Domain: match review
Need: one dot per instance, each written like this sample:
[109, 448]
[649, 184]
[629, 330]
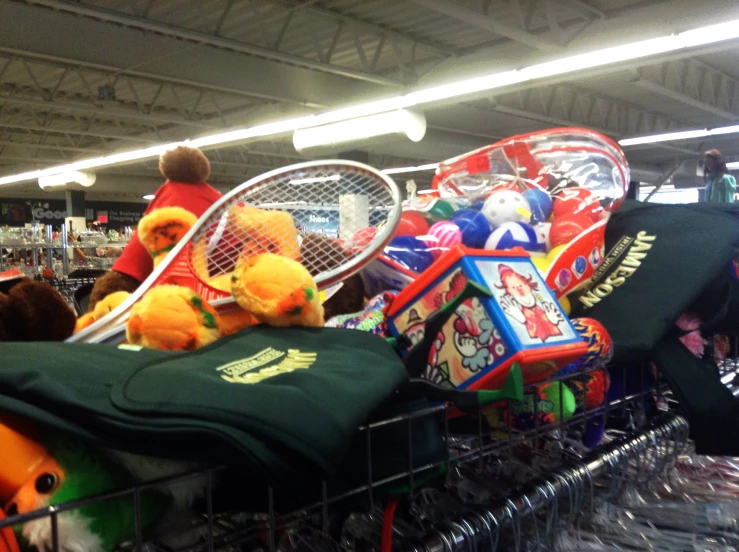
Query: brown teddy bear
[186, 170]
[319, 253]
[34, 311]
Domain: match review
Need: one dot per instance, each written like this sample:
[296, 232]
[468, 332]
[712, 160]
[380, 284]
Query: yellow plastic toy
[172, 318]
[277, 290]
[160, 230]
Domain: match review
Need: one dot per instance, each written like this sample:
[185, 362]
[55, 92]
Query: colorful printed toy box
[522, 321]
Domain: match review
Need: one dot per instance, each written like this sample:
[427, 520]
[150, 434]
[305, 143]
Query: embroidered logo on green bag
[266, 364]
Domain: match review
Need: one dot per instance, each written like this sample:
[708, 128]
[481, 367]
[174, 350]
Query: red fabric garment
[196, 198]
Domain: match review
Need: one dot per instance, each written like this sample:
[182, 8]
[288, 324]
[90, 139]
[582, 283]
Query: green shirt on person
[720, 188]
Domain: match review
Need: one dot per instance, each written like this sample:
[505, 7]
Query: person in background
[720, 186]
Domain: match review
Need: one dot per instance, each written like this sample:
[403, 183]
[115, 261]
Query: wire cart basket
[491, 489]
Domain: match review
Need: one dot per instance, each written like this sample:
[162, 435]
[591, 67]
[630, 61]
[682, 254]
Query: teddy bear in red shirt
[186, 170]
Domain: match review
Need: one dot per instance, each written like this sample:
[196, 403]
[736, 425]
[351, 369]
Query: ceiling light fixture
[149, 197]
[682, 135]
[689, 39]
[68, 177]
[732, 166]
[401, 122]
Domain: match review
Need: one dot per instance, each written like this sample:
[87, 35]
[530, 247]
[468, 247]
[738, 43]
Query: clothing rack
[665, 438]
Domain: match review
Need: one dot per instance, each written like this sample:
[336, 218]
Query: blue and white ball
[514, 234]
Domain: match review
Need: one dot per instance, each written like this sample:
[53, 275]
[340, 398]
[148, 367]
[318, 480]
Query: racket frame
[112, 328]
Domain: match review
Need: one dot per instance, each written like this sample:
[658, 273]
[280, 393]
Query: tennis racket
[358, 206]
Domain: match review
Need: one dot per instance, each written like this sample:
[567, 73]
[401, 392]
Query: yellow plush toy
[107, 305]
[268, 282]
[271, 289]
[160, 230]
[173, 318]
[249, 231]
[277, 290]
[264, 231]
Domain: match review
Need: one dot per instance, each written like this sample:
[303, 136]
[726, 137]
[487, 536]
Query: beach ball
[442, 236]
[474, 226]
[410, 252]
[441, 209]
[577, 200]
[514, 234]
[412, 223]
[540, 203]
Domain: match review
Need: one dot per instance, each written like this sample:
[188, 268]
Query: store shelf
[60, 247]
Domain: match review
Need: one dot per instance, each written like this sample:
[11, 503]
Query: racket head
[355, 196]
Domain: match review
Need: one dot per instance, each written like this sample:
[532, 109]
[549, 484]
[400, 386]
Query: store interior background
[102, 76]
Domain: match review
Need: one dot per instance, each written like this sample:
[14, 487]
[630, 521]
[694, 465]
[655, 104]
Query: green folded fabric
[279, 401]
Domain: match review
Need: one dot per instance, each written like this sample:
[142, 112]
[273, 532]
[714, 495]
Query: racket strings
[310, 215]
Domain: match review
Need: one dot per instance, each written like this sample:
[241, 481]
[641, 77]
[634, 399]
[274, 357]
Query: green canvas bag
[661, 261]
[280, 402]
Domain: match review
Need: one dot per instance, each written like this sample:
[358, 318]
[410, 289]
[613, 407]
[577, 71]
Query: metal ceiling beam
[67, 62]
[566, 104]
[175, 62]
[53, 147]
[487, 23]
[207, 39]
[549, 120]
[693, 83]
[685, 99]
[583, 9]
[521, 114]
[437, 49]
[9, 159]
[105, 111]
[55, 130]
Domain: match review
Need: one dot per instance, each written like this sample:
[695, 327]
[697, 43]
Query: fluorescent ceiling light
[682, 135]
[401, 122]
[331, 178]
[149, 197]
[419, 168]
[667, 137]
[689, 39]
[61, 179]
[733, 166]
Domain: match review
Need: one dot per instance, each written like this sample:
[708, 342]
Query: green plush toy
[67, 470]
